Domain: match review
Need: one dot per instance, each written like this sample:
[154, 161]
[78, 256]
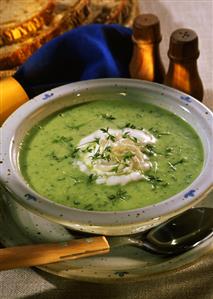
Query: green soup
[49, 152]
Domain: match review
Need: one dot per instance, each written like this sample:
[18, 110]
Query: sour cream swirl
[115, 157]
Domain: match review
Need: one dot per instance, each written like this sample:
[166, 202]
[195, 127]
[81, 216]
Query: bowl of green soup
[108, 156]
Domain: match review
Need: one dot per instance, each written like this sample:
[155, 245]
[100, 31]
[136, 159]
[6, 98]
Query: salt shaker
[146, 63]
[183, 54]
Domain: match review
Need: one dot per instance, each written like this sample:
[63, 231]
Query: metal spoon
[173, 237]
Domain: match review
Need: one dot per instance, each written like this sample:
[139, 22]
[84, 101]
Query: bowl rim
[92, 220]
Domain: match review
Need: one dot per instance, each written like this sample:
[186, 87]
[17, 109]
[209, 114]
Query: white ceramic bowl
[108, 223]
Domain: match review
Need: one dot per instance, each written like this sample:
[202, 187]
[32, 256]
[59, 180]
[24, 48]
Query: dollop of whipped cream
[115, 157]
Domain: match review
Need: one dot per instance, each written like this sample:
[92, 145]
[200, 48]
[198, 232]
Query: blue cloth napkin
[87, 52]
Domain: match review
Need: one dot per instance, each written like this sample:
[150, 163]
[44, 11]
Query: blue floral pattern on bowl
[190, 193]
[30, 197]
[47, 96]
[186, 99]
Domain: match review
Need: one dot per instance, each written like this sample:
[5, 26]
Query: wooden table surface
[195, 282]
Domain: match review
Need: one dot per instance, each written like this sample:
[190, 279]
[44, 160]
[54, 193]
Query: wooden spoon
[40, 254]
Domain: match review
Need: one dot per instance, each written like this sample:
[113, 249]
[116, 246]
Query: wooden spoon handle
[34, 255]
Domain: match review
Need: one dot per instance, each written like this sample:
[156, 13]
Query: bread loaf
[25, 25]
[18, 40]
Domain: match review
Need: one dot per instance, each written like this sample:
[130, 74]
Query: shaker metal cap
[146, 29]
[183, 45]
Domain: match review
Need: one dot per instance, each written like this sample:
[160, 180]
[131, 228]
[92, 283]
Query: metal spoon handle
[34, 255]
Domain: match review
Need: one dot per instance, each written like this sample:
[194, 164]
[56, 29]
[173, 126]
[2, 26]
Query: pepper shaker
[183, 54]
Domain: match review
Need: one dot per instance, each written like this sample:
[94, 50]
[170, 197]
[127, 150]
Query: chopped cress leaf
[104, 130]
[97, 140]
[96, 156]
[62, 139]
[105, 156]
[155, 164]
[180, 161]
[110, 136]
[115, 168]
[76, 127]
[74, 152]
[156, 181]
[122, 194]
[88, 149]
[89, 207]
[149, 150]
[91, 178]
[108, 148]
[119, 195]
[107, 116]
[76, 180]
[157, 133]
[174, 178]
[129, 125]
[125, 135]
[133, 138]
[168, 151]
[139, 115]
[172, 166]
[128, 156]
[57, 158]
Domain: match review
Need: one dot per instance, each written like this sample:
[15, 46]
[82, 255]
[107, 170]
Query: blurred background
[27, 24]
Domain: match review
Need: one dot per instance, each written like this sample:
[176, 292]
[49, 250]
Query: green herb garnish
[110, 136]
[96, 156]
[91, 178]
[115, 168]
[89, 207]
[62, 139]
[128, 156]
[133, 138]
[97, 140]
[157, 133]
[76, 127]
[150, 150]
[180, 161]
[119, 195]
[171, 165]
[105, 130]
[61, 179]
[53, 156]
[107, 116]
[76, 181]
[88, 149]
[74, 152]
[129, 125]
[168, 151]
[139, 115]
[156, 181]
[125, 135]
[108, 149]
